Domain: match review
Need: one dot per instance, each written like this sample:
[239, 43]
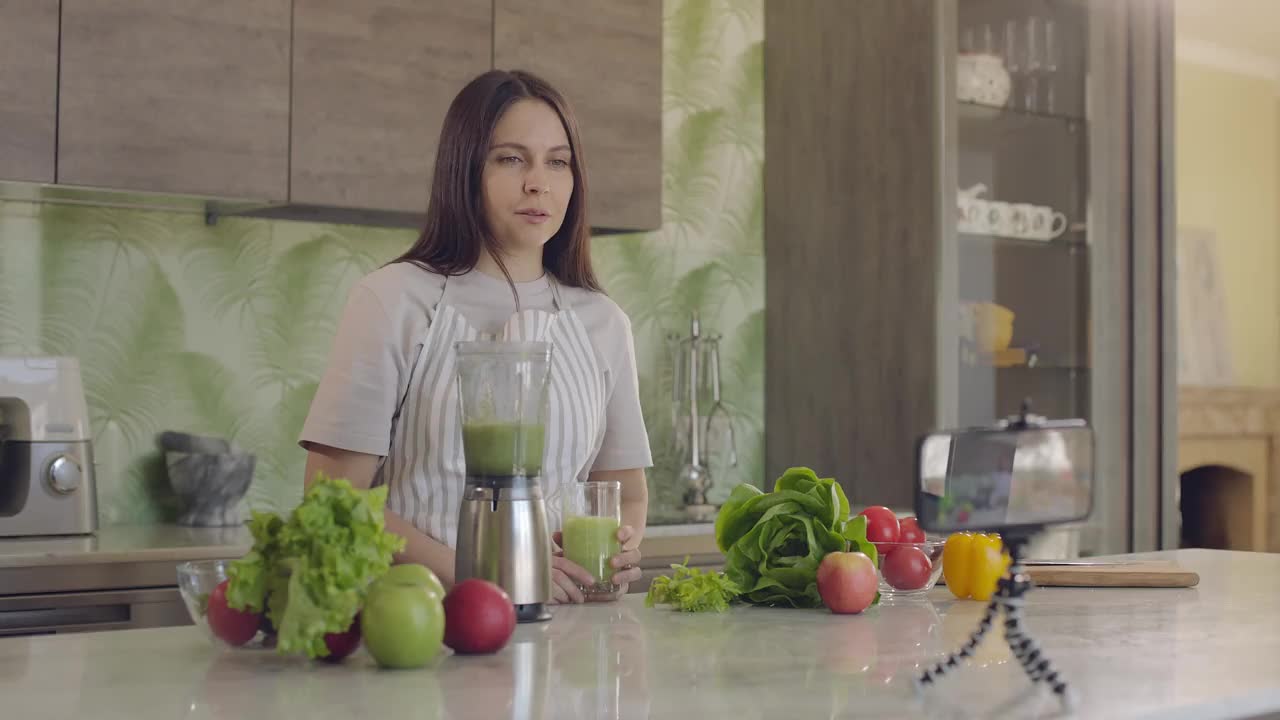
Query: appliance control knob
[64, 475]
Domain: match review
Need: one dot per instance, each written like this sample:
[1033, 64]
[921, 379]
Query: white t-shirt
[386, 316]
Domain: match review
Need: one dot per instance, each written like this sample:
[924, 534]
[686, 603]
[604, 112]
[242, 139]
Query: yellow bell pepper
[972, 563]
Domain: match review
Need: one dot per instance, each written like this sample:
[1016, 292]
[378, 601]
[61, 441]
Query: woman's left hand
[626, 563]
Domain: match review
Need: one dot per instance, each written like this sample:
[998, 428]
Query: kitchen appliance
[502, 522]
[46, 453]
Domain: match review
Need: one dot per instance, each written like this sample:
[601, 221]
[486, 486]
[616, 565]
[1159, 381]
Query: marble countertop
[126, 543]
[1207, 652]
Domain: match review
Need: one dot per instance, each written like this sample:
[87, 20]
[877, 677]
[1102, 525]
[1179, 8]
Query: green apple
[412, 574]
[402, 622]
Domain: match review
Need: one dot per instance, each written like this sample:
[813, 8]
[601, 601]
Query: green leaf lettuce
[311, 571]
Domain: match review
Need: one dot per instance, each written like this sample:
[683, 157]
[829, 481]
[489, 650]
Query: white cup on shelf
[1020, 220]
[999, 219]
[1046, 223]
[972, 209]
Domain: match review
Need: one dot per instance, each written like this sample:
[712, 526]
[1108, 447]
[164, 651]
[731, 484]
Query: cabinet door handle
[18, 620]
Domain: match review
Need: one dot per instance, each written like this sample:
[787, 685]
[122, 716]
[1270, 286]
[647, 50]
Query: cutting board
[1143, 574]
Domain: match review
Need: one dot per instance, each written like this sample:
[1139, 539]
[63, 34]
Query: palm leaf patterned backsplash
[225, 330]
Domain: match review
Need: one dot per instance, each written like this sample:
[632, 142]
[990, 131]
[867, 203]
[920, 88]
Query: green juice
[492, 449]
[591, 542]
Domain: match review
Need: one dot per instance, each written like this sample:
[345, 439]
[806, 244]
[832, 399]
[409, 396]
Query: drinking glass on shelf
[1015, 61]
[979, 39]
[1050, 60]
[987, 44]
[1039, 59]
[1033, 63]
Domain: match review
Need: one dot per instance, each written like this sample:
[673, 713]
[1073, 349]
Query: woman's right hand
[566, 577]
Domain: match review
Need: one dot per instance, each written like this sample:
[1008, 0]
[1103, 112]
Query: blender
[502, 521]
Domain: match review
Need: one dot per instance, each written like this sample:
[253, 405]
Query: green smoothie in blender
[500, 449]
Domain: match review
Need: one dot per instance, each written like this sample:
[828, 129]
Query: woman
[506, 236]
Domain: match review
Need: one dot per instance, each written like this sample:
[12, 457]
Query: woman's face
[528, 176]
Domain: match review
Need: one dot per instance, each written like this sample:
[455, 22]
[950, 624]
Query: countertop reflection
[1210, 651]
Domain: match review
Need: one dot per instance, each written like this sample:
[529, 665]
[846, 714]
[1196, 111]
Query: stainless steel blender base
[532, 612]
[503, 538]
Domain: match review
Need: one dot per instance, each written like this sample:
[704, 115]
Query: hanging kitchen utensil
[702, 426]
[693, 475]
[719, 426]
[679, 394]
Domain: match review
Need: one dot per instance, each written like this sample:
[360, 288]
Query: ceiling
[1247, 30]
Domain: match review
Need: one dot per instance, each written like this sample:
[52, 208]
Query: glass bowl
[913, 571]
[196, 582]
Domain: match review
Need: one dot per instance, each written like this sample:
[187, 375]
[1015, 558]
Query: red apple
[847, 582]
[478, 617]
[344, 643]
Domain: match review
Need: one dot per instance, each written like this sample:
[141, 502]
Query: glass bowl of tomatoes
[203, 586]
[909, 561]
[909, 568]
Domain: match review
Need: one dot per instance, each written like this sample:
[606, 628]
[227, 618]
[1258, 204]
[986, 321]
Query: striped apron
[425, 469]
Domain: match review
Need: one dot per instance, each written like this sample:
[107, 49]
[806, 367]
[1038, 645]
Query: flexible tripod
[1009, 597]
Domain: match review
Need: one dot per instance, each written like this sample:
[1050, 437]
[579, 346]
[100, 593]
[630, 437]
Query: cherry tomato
[234, 627]
[882, 527]
[910, 531]
[906, 568]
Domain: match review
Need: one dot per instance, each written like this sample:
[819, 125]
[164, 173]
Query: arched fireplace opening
[1216, 507]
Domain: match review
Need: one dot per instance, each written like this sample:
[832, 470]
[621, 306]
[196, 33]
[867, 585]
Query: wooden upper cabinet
[606, 57]
[176, 96]
[371, 83]
[28, 89]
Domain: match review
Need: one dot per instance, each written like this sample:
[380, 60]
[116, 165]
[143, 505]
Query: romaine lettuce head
[773, 542]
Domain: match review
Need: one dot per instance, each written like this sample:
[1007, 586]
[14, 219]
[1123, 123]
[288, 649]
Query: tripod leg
[1009, 597]
[1038, 667]
[984, 626]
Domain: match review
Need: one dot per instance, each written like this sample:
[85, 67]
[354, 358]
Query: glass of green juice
[592, 513]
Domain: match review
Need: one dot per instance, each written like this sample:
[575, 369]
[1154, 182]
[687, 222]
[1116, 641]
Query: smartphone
[993, 479]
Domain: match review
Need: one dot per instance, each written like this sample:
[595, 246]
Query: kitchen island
[1212, 651]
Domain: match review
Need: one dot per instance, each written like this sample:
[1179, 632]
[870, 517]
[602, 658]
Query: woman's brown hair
[456, 230]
